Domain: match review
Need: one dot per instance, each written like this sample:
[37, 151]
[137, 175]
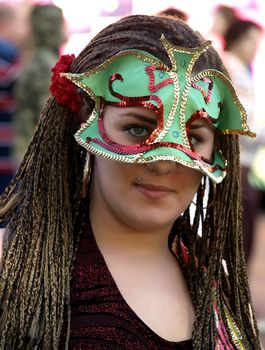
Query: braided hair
[43, 212]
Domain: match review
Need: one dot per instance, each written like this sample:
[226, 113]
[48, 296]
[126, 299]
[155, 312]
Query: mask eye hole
[129, 125]
[201, 136]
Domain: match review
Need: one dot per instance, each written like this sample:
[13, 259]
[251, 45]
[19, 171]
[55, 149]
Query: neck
[117, 236]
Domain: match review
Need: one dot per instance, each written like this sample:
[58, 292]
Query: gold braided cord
[35, 275]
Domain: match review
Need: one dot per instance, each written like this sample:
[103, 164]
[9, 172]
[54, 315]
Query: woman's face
[146, 196]
[247, 45]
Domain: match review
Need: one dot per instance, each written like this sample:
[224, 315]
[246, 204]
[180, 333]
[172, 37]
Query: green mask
[137, 78]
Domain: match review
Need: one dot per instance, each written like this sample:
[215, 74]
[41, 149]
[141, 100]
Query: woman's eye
[139, 131]
[195, 140]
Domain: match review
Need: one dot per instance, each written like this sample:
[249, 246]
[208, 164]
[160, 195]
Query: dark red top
[100, 317]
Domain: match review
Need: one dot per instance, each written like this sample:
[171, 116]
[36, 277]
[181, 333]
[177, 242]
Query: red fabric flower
[64, 91]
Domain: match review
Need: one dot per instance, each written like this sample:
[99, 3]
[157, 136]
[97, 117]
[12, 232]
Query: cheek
[103, 170]
[209, 147]
[110, 130]
[103, 175]
[190, 181]
[112, 175]
[205, 151]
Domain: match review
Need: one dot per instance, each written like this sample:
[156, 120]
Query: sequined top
[100, 317]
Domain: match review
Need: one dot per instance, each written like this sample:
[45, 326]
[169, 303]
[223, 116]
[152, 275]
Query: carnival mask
[176, 95]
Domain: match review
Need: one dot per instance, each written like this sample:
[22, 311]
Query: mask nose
[162, 167]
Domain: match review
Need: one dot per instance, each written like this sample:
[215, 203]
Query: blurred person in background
[223, 17]
[11, 39]
[48, 34]
[241, 42]
[173, 11]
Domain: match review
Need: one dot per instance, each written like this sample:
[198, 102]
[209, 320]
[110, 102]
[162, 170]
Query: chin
[152, 221]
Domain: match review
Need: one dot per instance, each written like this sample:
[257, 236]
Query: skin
[247, 45]
[132, 219]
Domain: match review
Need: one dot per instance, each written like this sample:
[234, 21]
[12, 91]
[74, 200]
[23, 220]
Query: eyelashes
[142, 133]
[139, 132]
[196, 140]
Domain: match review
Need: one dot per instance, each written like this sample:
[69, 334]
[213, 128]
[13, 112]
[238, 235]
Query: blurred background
[34, 33]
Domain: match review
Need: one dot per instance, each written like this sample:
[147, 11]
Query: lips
[154, 191]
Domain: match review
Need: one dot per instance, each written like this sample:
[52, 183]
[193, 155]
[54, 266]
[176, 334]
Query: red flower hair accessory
[64, 91]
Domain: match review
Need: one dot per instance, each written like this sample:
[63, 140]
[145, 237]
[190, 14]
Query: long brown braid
[41, 209]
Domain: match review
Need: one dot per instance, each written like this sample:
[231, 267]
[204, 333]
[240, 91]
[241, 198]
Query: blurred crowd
[30, 44]
[237, 40]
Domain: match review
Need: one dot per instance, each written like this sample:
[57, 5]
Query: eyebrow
[199, 126]
[140, 117]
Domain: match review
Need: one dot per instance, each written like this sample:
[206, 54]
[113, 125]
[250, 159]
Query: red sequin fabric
[100, 317]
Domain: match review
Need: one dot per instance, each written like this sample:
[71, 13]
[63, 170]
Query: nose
[161, 167]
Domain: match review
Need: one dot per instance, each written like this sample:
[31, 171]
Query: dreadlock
[220, 242]
[43, 212]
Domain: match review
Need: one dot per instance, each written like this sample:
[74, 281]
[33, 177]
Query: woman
[89, 261]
